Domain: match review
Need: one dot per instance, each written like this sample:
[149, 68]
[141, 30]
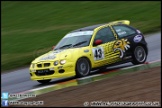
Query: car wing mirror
[53, 47]
[98, 42]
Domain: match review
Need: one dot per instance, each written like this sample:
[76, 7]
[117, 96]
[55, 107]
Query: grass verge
[31, 28]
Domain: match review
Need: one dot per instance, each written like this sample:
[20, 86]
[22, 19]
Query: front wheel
[44, 81]
[82, 67]
[139, 55]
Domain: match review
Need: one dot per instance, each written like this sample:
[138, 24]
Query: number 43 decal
[98, 53]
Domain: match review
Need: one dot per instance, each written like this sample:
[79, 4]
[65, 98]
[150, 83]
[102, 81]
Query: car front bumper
[59, 71]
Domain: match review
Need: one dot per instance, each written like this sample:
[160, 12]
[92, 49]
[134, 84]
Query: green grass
[31, 28]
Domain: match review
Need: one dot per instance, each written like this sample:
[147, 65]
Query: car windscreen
[75, 39]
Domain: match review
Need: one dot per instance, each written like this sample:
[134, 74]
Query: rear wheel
[44, 81]
[82, 67]
[139, 55]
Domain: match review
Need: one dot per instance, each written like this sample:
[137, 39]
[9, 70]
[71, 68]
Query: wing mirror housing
[53, 47]
[98, 42]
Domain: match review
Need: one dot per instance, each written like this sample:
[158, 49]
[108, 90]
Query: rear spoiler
[127, 22]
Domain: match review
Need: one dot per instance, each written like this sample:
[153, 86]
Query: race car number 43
[98, 53]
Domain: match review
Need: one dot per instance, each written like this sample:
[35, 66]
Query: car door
[103, 53]
[124, 43]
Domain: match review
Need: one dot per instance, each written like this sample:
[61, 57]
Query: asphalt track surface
[19, 80]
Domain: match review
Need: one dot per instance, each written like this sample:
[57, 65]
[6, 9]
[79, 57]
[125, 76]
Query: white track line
[155, 61]
[90, 76]
[132, 66]
[140, 64]
[42, 87]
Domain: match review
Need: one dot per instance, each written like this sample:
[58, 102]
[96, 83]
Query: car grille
[43, 64]
[46, 64]
[39, 65]
[44, 72]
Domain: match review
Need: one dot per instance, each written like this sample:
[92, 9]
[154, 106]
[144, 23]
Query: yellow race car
[84, 49]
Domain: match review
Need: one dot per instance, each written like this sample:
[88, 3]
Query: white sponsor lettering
[79, 34]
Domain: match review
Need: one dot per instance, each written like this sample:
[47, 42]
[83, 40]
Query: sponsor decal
[80, 33]
[137, 38]
[121, 33]
[118, 30]
[86, 50]
[98, 53]
[128, 57]
[48, 57]
[51, 55]
[121, 45]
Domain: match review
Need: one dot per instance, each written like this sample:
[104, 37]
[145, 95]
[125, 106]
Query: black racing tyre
[44, 81]
[82, 67]
[139, 55]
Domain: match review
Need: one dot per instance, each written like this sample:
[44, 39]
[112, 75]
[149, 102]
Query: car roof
[91, 28]
[88, 28]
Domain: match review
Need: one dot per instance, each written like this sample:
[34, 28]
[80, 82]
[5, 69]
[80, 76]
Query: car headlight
[62, 62]
[33, 70]
[56, 63]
